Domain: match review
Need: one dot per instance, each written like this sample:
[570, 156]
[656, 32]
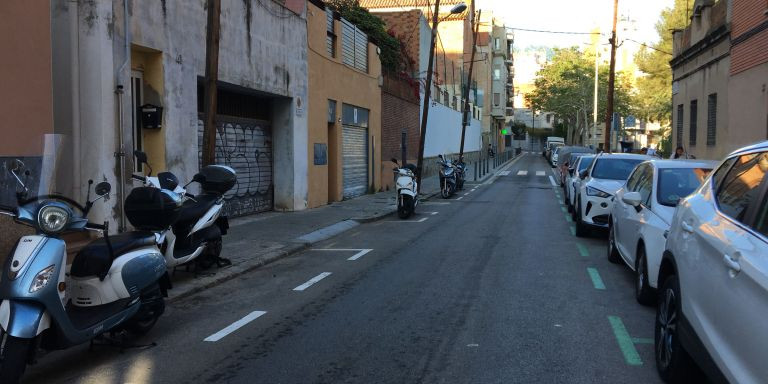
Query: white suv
[713, 304]
[599, 183]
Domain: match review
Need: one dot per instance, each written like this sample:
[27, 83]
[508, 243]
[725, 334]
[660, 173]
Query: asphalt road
[490, 286]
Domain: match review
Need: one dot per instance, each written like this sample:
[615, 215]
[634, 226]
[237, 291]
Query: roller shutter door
[354, 160]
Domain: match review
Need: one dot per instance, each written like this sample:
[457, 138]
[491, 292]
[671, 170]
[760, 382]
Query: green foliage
[375, 28]
[566, 84]
[654, 90]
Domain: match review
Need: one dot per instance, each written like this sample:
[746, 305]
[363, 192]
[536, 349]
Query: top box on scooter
[217, 179]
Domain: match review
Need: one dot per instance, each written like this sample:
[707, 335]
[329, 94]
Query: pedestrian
[490, 150]
[650, 151]
[679, 153]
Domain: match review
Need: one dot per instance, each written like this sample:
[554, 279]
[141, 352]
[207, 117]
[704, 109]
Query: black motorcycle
[447, 177]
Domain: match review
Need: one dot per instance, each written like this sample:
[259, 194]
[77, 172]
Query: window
[496, 43]
[677, 183]
[717, 178]
[645, 185]
[614, 169]
[679, 125]
[711, 119]
[740, 186]
[331, 111]
[330, 38]
[354, 44]
[496, 99]
[497, 73]
[693, 123]
[634, 179]
[762, 220]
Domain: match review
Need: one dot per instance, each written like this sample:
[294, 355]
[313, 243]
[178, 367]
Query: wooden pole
[427, 94]
[464, 116]
[611, 83]
[211, 77]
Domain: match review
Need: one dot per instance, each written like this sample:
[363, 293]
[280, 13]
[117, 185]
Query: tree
[374, 27]
[654, 90]
[565, 86]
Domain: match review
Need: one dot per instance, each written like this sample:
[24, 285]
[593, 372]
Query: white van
[551, 142]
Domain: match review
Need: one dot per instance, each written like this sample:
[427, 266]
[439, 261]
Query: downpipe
[119, 90]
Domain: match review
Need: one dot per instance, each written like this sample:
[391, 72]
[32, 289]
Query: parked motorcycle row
[452, 176]
[116, 285]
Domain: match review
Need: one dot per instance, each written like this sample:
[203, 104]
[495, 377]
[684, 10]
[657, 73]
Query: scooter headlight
[42, 279]
[52, 219]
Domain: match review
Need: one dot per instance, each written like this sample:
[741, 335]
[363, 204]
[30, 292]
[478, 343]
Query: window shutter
[712, 119]
[693, 124]
[679, 125]
[348, 43]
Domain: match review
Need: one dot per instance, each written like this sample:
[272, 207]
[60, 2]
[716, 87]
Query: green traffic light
[503, 131]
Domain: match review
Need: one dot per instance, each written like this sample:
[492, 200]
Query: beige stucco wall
[150, 64]
[748, 107]
[26, 102]
[330, 79]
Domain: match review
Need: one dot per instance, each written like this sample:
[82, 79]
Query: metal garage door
[246, 146]
[354, 160]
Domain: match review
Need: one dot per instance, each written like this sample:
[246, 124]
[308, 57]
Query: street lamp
[458, 8]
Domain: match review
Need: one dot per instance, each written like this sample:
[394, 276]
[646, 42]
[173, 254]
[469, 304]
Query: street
[490, 286]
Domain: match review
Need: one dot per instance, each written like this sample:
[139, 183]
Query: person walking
[679, 153]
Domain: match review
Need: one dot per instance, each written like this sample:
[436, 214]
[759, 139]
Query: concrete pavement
[258, 240]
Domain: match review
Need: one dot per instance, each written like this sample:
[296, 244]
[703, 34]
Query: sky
[575, 16]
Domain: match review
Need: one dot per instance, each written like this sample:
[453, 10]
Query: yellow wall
[150, 63]
[330, 79]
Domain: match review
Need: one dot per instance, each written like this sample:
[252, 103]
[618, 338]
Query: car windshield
[676, 183]
[585, 162]
[614, 169]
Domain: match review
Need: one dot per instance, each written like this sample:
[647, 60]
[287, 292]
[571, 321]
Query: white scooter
[407, 189]
[196, 234]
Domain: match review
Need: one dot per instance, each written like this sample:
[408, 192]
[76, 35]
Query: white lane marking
[360, 251]
[460, 198]
[522, 173]
[312, 281]
[474, 189]
[466, 194]
[503, 173]
[423, 219]
[235, 326]
[552, 180]
[359, 254]
[432, 213]
[540, 173]
[434, 203]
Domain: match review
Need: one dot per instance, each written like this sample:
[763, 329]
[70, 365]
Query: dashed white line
[360, 251]
[359, 254]
[522, 173]
[460, 198]
[433, 213]
[312, 281]
[552, 180]
[474, 189]
[540, 173]
[466, 194]
[503, 173]
[423, 219]
[234, 326]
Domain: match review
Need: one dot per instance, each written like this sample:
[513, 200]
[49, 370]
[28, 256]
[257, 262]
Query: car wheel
[672, 361]
[613, 252]
[581, 228]
[644, 294]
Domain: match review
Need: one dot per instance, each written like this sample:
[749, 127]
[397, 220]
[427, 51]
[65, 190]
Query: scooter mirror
[198, 178]
[393, 160]
[103, 188]
[140, 156]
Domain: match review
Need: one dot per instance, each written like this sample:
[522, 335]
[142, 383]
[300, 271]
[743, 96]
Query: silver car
[713, 301]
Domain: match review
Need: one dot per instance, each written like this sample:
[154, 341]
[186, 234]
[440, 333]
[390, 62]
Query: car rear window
[585, 163]
[614, 169]
[676, 183]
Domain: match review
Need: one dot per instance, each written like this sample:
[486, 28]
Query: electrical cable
[557, 32]
[650, 47]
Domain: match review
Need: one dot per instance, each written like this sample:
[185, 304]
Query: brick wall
[749, 35]
[406, 27]
[399, 109]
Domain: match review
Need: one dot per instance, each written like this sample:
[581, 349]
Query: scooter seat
[193, 210]
[95, 260]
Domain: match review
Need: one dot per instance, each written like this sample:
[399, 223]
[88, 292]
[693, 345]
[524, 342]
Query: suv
[713, 304]
[599, 183]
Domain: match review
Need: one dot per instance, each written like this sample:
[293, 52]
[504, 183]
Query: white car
[642, 211]
[713, 300]
[599, 183]
[572, 179]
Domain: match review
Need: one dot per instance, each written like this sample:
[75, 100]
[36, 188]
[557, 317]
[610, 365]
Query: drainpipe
[74, 77]
[119, 90]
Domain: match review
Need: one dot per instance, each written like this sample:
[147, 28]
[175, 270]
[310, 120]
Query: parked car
[551, 140]
[550, 149]
[599, 183]
[572, 180]
[565, 159]
[713, 301]
[642, 211]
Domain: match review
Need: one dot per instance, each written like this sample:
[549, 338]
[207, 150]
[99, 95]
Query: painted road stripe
[312, 281]
[503, 173]
[460, 198]
[234, 326]
[359, 254]
[582, 250]
[434, 203]
[562, 208]
[433, 213]
[642, 340]
[540, 173]
[626, 344]
[552, 180]
[423, 219]
[522, 173]
[573, 230]
[466, 194]
[568, 217]
[596, 280]
[474, 189]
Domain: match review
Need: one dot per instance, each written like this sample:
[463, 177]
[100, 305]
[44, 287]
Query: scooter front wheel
[14, 354]
[152, 306]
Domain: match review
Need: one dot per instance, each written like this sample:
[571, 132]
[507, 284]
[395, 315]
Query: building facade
[344, 109]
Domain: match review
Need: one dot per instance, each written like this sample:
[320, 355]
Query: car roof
[624, 156]
[688, 163]
[763, 145]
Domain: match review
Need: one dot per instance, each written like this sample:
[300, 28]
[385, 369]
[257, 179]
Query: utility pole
[427, 94]
[211, 77]
[611, 83]
[474, 26]
[593, 130]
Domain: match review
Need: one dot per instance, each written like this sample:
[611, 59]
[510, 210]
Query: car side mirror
[632, 198]
[103, 188]
[583, 174]
[570, 171]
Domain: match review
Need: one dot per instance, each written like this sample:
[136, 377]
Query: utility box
[151, 116]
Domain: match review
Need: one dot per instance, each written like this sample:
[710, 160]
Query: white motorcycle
[407, 189]
[196, 234]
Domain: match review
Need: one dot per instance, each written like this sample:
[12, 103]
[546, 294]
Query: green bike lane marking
[596, 280]
[627, 343]
[582, 250]
[573, 230]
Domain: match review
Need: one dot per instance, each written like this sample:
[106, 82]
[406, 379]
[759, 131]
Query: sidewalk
[258, 240]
